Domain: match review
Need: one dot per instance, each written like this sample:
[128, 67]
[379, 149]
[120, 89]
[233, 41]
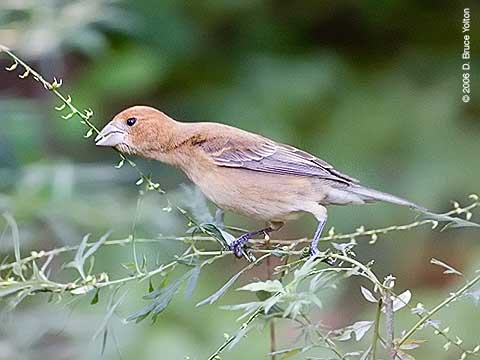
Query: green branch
[429, 314]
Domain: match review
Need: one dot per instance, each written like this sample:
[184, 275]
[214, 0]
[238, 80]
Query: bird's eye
[131, 121]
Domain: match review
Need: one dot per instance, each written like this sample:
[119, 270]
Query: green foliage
[83, 254]
[381, 100]
[162, 296]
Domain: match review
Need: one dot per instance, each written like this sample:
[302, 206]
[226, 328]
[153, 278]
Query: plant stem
[329, 344]
[388, 301]
[273, 346]
[376, 332]
[231, 338]
[432, 312]
[132, 235]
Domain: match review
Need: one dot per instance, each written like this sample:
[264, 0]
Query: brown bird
[241, 171]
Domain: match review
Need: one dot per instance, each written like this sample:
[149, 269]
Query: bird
[240, 171]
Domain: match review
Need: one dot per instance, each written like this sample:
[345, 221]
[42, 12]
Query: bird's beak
[110, 136]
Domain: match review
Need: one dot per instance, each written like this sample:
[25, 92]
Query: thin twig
[387, 300]
[273, 345]
[231, 338]
[376, 330]
[437, 308]
[39, 254]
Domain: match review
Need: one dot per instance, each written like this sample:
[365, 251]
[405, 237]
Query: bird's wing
[260, 154]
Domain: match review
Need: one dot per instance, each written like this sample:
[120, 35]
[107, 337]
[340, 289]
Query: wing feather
[264, 155]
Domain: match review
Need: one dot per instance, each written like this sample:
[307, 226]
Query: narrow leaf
[88, 134]
[400, 301]
[450, 220]
[17, 268]
[79, 259]
[95, 298]
[108, 315]
[160, 299]
[367, 294]
[449, 269]
[360, 328]
[95, 246]
[268, 286]
[192, 282]
[220, 292]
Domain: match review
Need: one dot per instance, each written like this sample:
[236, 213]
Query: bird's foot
[314, 252]
[237, 246]
[311, 252]
[329, 261]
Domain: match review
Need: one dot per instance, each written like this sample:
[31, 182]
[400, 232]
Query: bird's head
[138, 130]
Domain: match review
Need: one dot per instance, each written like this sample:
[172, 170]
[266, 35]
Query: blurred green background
[372, 87]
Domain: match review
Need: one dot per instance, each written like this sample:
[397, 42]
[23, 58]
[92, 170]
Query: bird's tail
[369, 195]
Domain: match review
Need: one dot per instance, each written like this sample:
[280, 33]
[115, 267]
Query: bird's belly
[261, 196]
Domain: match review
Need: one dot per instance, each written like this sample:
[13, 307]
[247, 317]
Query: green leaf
[160, 299]
[271, 304]
[239, 336]
[83, 254]
[271, 286]
[78, 259]
[12, 289]
[450, 220]
[448, 268]
[88, 134]
[192, 282]
[37, 274]
[367, 294]
[82, 290]
[111, 309]
[305, 270]
[120, 163]
[411, 344]
[220, 292]
[104, 341]
[400, 301]
[95, 298]
[17, 267]
[18, 298]
[290, 353]
[223, 237]
[360, 328]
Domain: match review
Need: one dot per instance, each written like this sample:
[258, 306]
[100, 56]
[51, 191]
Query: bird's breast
[258, 195]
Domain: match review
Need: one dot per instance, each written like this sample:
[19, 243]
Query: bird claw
[237, 249]
[329, 261]
[237, 246]
[313, 252]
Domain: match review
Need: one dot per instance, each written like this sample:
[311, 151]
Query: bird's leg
[237, 245]
[313, 246]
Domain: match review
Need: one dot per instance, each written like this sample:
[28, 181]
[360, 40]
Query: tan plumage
[240, 171]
